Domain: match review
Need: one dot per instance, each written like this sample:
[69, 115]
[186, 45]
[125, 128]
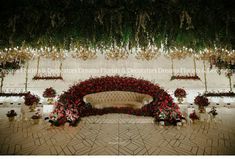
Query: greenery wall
[191, 23]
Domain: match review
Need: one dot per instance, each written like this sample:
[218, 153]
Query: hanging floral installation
[13, 94]
[181, 28]
[185, 77]
[47, 77]
[71, 106]
[219, 94]
[54, 54]
[12, 59]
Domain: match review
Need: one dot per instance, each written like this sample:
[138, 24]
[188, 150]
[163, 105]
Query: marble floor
[119, 134]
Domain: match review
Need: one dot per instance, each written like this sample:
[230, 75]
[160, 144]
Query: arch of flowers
[71, 107]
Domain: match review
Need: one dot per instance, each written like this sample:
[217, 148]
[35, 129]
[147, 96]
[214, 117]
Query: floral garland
[49, 93]
[71, 106]
[13, 94]
[36, 77]
[219, 94]
[185, 77]
[179, 92]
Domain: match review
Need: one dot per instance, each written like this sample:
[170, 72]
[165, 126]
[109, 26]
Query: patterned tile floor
[119, 134]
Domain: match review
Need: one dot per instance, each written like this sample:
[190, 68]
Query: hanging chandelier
[116, 53]
[180, 53]
[83, 53]
[149, 53]
[52, 53]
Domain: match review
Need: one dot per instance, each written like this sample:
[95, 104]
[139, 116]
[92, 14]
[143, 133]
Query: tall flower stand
[24, 112]
[202, 113]
[36, 121]
[180, 100]
[33, 107]
[50, 101]
[184, 110]
[12, 118]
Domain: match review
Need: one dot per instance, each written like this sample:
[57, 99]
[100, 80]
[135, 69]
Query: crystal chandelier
[83, 53]
[20, 54]
[52, 53]
[180, 53]
[149, 53]
[116, 53]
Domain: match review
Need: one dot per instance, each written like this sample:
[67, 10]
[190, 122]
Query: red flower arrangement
[49, 93]
[30, 99]
[180, 93]
[71, 105]
[11, 113]
[185, 77]
[193, 116]
[201, 101]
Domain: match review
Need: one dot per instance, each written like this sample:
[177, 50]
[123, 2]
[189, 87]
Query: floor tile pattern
[119, 134]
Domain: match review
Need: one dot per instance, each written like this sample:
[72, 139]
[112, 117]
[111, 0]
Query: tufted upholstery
[117, 99]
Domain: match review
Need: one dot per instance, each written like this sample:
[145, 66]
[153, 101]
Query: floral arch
[71, 107]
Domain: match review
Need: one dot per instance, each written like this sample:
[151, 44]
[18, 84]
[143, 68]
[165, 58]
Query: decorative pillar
[61, 67]
[230, 82]
[2, 79]
[205, 78]
[26, 76]
[195, 66]
[172, 67]
[38, 61]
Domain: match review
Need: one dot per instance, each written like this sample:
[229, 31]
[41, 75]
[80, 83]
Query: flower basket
[201, 102]
[36, 117]
[49, 93]
[193, 116]
[31, 101]
[11, 115]
[180, 94]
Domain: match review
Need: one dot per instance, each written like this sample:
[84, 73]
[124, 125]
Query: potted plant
[180, 94]
[31, 101]
[213, 111]
[201, 101]
[36, 117]
[11, 115]
[193, 116]
[49, 93]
